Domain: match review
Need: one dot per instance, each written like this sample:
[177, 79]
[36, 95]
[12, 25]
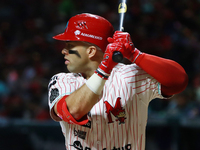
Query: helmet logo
[77, 32]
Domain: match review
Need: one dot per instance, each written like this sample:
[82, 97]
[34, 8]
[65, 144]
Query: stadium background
[29, 57]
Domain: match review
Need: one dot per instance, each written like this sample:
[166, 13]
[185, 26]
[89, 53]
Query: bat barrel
[122, 10]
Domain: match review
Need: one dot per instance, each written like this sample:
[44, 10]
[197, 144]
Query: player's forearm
[170, 74]
[80, 102]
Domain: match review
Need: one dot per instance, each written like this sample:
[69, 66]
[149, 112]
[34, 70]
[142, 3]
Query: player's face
[76, 57]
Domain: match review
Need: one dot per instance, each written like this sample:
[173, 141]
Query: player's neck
[88, 74]
[90, 71]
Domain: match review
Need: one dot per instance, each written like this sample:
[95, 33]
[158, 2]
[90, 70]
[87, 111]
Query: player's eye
[74, 52]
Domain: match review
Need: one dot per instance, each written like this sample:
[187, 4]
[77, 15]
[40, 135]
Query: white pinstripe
[135, 88]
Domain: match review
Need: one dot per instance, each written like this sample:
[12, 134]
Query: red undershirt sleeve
[169, 73]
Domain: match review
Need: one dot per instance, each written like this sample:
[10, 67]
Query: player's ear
[91, 51]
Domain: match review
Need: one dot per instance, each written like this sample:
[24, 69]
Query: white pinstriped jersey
[118, 120]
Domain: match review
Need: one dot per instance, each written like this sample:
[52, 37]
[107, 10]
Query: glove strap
[137, 53]
[102, 74]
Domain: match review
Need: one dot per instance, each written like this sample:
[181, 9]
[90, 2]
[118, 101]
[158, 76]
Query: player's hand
[130, 52]
[119, 36]
[107, 64]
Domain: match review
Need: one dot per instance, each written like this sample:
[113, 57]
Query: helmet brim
[61, 37]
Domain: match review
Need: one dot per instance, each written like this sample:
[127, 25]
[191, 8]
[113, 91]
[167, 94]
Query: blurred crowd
[29, 56]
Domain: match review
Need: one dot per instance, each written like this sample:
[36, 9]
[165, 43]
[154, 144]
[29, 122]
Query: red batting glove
[130, 52]
[107, 64]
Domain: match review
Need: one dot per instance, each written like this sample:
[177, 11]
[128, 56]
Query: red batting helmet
[89, 28]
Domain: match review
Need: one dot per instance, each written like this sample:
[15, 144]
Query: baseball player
[101, 104]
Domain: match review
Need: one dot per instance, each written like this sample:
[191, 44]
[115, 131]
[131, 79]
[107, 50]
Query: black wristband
[101, 74]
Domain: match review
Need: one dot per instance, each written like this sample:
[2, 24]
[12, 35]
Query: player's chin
[72, 69]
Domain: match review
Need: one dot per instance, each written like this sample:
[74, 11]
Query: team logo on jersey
[80, 134]
[51, 84]
[77, 145]
[126, 147]
[52, 81]
[88, 124]
[117, 111]
[54, 94]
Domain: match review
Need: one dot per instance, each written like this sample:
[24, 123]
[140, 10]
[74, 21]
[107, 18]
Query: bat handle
[117, 56]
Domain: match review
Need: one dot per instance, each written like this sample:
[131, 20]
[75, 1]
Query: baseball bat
[122, 8]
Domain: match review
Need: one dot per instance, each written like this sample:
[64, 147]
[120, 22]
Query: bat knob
[117, 56]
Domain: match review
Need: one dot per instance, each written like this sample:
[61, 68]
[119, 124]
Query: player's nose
[65, 51]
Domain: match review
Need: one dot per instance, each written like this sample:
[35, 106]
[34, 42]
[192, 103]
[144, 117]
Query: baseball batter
[101, 104]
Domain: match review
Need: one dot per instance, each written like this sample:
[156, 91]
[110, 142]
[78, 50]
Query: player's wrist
[136, 55]
[102, 74]
[95, 83]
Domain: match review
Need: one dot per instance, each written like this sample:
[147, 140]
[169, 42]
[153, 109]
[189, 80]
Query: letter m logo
[117, 111]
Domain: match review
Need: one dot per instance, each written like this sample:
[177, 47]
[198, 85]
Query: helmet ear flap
[89, 28]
